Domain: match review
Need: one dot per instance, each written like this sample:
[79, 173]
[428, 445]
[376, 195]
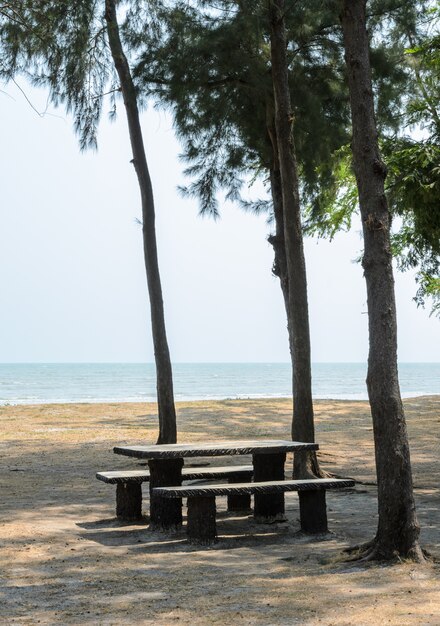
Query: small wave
[198, 398]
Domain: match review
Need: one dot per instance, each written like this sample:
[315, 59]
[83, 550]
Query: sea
[41, 383]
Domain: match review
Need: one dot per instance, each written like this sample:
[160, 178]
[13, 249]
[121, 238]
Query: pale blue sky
[71, 268]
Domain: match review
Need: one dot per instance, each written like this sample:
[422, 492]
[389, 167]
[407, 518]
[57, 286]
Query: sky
[72, 278]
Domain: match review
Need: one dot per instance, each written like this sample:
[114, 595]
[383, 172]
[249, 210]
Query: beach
[65, 559]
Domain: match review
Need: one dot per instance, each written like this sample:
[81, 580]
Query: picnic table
[166, 461]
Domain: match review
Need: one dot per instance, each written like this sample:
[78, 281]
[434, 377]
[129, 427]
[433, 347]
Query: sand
[66, 560]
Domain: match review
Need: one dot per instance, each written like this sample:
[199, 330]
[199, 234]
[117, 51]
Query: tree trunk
[277, 240]
[398, 529]
[165, 396]
[305, 464]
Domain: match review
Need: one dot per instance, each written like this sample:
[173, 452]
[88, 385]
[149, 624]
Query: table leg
[238, 503]
[129, 501]
[269, 507]
[313, 512]
[165, 513]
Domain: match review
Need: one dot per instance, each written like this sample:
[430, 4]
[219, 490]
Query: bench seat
[201, 525]
[129, 492]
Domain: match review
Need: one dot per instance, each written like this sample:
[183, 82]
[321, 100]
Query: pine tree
[75, 50]
[299, 335]
[214, 71]
[398, 530]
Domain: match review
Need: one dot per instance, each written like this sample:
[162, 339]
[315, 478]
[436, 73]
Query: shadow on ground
[65, 559]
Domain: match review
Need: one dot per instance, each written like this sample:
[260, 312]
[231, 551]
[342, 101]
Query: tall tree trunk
[305, 464]
[398, 529]
[165, 396]
[277, 240]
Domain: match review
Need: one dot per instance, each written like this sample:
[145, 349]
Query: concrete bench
[201, 520]
[129, 486]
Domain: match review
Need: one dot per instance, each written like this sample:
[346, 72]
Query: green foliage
[413, 180]
[210, 65]
[414, 165]
[331, 210]
[206, 72]
[424, 61]
[63, 46]
[212, 69]
[413, 192]
[414, 187]
[429, 287]
[414, 196]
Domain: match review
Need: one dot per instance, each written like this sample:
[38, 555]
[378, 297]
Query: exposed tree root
[357, 552]
[373, 552]
[324, 474]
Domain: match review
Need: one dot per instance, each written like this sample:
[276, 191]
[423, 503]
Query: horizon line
[200, 362]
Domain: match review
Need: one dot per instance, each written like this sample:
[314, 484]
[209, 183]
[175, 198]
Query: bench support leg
[165, 513]
[201, 528]
[128, 501]
[313, 511]
[238, 503]
[269, 507]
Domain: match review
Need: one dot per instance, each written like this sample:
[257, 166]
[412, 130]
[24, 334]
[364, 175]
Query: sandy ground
[66, 560]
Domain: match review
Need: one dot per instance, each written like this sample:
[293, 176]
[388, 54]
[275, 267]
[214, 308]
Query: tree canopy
[410, 147]
[221, 105]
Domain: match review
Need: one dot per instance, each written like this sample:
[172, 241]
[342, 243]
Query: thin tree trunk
[277, 240]
[165, 396]
[305, 464]
[398, 529]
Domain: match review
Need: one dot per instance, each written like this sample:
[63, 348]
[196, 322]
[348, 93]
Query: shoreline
[193, 401]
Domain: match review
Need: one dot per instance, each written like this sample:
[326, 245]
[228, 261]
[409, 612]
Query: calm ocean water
[94, 382]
